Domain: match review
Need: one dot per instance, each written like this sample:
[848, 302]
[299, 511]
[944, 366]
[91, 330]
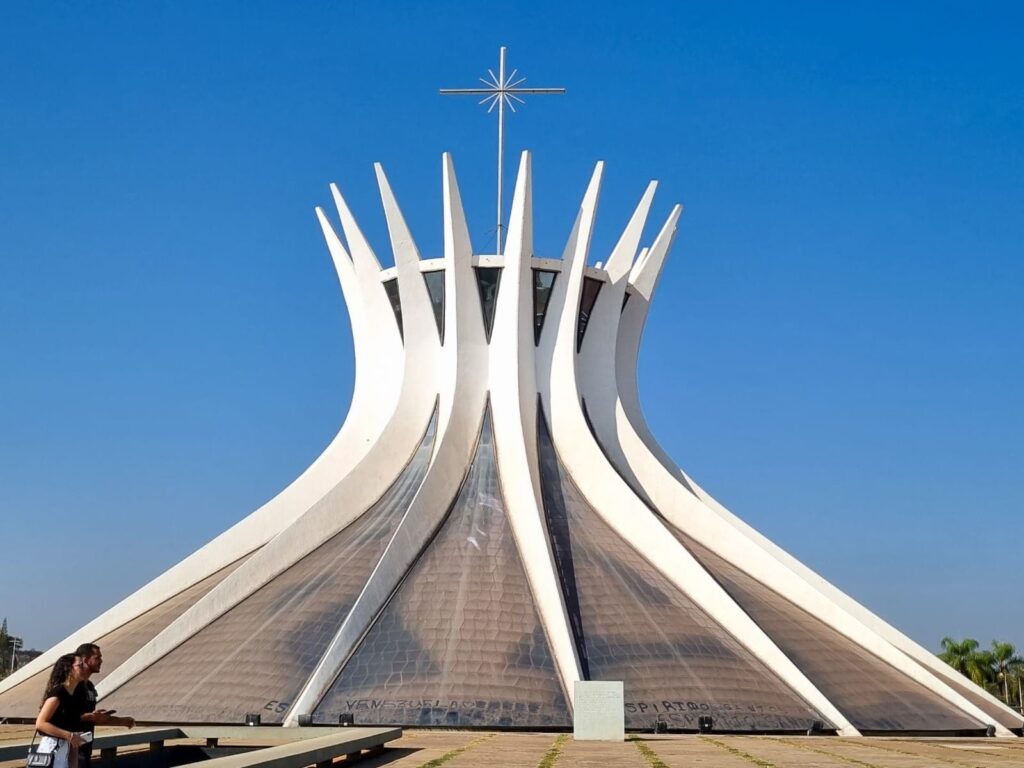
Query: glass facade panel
[391, 289]
[23, 700]
[435, 288]
[873, 695]
[969, 691]
[588, 297]
[487, 280]
[543, 282]
[675, 662]
[460, 643]
[257, 656]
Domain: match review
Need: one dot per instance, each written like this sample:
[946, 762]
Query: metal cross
[501, 91]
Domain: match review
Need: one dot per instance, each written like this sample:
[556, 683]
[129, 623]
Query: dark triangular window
[487, 280]
[591, 288]
[543, 283]
[391, 289]
[435, 287]
[555, 517]
[625, 299]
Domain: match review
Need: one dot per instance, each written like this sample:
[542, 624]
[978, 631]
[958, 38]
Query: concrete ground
[463, 749]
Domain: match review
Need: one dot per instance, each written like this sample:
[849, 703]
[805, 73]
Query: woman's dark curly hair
[58, 675]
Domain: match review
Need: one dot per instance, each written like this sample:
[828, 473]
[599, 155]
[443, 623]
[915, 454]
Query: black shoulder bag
[37, 759]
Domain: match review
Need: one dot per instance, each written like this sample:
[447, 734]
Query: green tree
[1005, 664]
[965, 658]
[1016, 687]
[5, 650]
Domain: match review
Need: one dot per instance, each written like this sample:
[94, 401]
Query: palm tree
[965, 658]
[1005, 661]
[984, 672]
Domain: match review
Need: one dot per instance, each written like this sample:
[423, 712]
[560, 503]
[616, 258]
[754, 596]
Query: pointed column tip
[525, 164]
[447, 166]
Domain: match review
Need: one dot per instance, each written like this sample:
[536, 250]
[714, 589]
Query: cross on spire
[501, 90]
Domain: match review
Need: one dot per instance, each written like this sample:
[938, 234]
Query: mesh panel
[460, 642]
[123, 642]
[969, 691]
[23, 699]
[674, 660]
[873, 695]
[257, 656]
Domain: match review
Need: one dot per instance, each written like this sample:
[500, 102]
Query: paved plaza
[466, 749]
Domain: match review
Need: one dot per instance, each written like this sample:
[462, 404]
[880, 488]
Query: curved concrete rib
[617, 504]
[597, 354]
[595, 422]
[372, 404]
[514, 412]
[463, 395]
[634, 452]
[352, 494]
[381, 337]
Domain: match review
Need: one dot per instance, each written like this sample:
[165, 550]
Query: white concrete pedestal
[598, 711]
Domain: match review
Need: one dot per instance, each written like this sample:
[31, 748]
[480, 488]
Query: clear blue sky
[835, 349]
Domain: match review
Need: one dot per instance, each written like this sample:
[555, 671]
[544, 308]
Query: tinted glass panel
[391, 288]
[965, 688]
[543, 282]
[487, 280]
[435, 287]
[460, 642]
[23, 700]
[588, 297]
[257, 656]
[674, 660]
[873, 695]
[123, 642]
[557, 523]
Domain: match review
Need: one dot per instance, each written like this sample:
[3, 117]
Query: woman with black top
[60, 716]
